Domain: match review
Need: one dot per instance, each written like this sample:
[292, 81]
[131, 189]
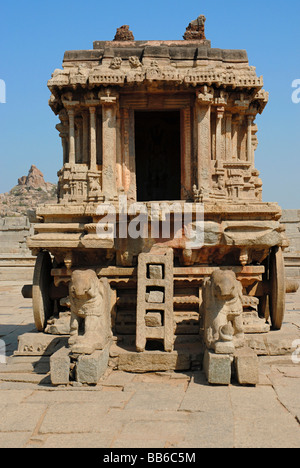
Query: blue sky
[34, 35]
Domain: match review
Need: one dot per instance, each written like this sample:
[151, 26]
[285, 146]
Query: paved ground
[175, 410]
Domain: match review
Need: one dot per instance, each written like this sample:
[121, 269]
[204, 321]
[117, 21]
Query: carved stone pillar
[109, 149]
[93, 146]
[228, 137]
[85, 137]
[250, 120]
[63, 129]
[78, 125]
[71, 114]
[203, 122]
[254, 143]
[128, 152]
[235, 129]
[186, 153]
[220, 115]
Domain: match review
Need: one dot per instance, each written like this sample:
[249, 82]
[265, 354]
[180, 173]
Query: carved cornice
[127, 73]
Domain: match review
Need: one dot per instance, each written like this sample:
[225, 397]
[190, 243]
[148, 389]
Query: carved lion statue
[88, 299]
[222, 307]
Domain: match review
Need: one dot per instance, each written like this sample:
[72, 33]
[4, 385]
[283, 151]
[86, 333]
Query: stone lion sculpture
[88, 299]
[222, 307]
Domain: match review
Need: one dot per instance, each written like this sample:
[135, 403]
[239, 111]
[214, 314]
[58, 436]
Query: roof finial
[123, 34]
[196, 30]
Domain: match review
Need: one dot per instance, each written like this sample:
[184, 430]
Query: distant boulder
[31, 191]
[34, 179]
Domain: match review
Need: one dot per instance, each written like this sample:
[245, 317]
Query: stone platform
[175, 409]
[185, 356]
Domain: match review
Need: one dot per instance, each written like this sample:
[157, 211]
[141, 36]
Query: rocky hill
[31, 191]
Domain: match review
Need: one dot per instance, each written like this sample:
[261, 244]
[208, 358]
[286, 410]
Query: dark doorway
[157, 150]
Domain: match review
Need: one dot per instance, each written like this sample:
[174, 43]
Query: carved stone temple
[150, 129]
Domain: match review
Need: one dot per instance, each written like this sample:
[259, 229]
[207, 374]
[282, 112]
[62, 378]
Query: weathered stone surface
[253, 324]
[193, 414]
[153, 319]
[155, 297]
[153, 361]
[257, 343]
[90, 368]
[246, 365]
[155, 271]
[217, 368]
[222, 308]
[196, 30]
[39, 344]
[124, 34]
[60, 325]
[206, 100]
[26, 421]
[292, 285]
[224, 347]
[60, 367]
[90, 302]
[274, 343]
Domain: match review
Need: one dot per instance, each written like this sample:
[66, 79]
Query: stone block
[252, 323]
[217, 368]
[90, 368]
[39, 344]
[156, 272]
[155, 297]
[224, 347]
[246, 366]
[60, 367]
[153, 319]
[257, 343]
[153, 361]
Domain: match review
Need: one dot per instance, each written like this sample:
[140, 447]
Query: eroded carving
[223, 307]
[124, 34]
[134, 62]
[88, 309]
[116, 63]
[196, 29]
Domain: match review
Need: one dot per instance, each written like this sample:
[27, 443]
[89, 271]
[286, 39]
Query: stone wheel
[43, 306]
[277, 287]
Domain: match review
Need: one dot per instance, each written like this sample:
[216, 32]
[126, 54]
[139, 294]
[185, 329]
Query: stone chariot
[170, 123]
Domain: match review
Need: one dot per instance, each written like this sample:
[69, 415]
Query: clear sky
[34, 35]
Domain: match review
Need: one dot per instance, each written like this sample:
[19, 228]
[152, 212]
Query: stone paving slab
[261, 420]
[155, 410]
[21, 418]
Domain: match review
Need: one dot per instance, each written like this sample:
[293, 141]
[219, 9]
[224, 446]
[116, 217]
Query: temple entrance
[158, 154]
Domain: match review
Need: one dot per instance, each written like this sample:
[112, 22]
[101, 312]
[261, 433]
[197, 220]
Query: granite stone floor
[156, 410]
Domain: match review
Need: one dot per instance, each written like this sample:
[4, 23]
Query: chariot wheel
[43, 306]
[277, 284]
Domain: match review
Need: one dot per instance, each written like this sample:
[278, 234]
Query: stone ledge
[39, 344]
[274, 343]
[183, 358]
